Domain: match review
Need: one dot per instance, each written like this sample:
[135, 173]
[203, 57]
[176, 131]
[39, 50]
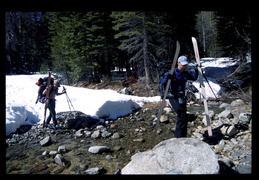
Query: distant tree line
[85, 46]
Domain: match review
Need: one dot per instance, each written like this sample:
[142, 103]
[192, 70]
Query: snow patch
[21, 94]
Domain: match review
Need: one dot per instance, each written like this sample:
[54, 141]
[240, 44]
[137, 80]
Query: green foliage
[87, 45]
[26, 41]
[77, 42]
[214, 49]
[234, 33]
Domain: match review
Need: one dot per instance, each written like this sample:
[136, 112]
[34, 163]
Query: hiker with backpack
[176, 93]
[53, 91]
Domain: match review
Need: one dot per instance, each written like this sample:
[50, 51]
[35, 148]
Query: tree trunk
[149, 79]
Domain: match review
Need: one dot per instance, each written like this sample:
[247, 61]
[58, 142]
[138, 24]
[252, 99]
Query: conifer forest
[87, 45]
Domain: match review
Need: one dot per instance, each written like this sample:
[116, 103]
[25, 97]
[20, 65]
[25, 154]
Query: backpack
[42, 83]
[162, 85]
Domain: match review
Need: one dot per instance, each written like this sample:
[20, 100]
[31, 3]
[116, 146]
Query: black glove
[170, 76]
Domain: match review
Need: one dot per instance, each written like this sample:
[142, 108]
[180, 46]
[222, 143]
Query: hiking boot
[57, 126]
[47, 126]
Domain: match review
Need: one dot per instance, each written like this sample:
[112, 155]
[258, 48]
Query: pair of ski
[197, 56]
[47, 98]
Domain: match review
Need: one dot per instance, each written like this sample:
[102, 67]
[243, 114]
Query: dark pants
[52, 113]
[181, 121]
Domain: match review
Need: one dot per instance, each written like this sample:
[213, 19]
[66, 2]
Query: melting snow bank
[21, 93]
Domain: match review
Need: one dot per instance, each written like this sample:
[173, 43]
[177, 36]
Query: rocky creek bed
[107, 147]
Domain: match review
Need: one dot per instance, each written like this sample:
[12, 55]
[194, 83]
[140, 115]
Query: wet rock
[79, 133]
[237, 102]
[87, 133]
[116, 136]
[139, 140]
[60, 160]
[94, 171]
[225, 114]
[76, 119]
[106, 134]
[96, 134]
[53, 153]
[45, 153]
[244, 169]
[164, 119]
[62, 149]
[231, 130]
[224, 105]
[98, 149]
[228, 130]
[46, 141]
[245, 117]
[24, 151]
[189, 156]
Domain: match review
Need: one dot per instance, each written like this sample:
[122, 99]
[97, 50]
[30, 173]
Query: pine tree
[206, 26]
[26, 41]
[234, 33]
[81, 45]
[135, 29]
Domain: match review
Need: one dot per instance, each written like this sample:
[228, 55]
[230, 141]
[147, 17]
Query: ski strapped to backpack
[47, 97]
[42, 83]
[197, 56]
[167, 86]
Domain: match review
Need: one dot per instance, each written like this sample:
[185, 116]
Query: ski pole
[217, 100]
[68, 99]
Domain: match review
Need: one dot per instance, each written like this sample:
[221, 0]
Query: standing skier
[178, 100]
[52, 102]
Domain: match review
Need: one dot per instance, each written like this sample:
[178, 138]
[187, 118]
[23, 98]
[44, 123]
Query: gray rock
[175, 156]
[231, 130]
[46, 141]
[244, 169]
[62, 149]
[45, 153]
[76, 119]
[228, 130]
[87, 133]
[96, 134]
[98, 149]
[116, 136]
[225, 114]
[164, 119]
[79, 133]
[94, 171]
[106, 134]
[245, 117]
[237, 102]
[60, 160]
[53, 153]
[227, 161]
[224, 105]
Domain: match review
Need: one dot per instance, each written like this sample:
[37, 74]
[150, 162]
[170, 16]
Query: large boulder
[76, 119]
[175, 156]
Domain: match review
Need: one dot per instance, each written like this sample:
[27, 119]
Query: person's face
[182, 67]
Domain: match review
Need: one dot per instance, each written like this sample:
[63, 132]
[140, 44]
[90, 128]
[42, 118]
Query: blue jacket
[181, 78]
